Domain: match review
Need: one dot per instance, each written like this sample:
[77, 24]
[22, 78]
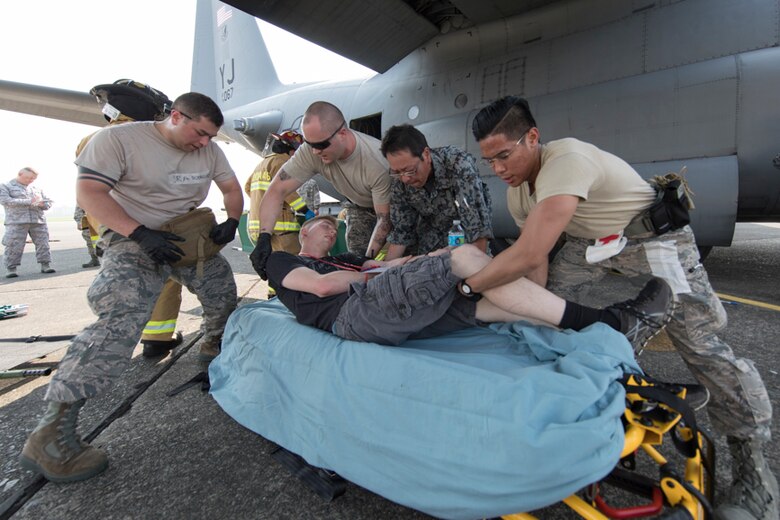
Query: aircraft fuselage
[693, 83]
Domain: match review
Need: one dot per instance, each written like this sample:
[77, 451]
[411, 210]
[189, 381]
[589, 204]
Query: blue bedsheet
[479, 423]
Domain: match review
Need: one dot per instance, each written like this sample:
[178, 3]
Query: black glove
[225, 232]
[260, 255]
[156, 244]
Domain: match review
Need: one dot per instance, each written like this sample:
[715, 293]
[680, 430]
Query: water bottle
[456, 236]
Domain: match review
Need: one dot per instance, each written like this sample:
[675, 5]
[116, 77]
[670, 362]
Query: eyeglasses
[503, 156]
[406, 173]
[321, 145]
[185, 115]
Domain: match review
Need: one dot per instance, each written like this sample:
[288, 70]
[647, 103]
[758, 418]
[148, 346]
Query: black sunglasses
[321, 145]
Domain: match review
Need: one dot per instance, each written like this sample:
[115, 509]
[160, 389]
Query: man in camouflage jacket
[24, 206]
[431, 188]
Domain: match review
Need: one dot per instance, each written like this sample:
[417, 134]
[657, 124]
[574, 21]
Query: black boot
[92, 263]
[155, 348]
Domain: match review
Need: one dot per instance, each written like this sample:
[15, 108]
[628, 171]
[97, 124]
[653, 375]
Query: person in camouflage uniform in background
[80, 216]
[310, 193]
[134, 178]
[431, 188]
[24, 206]
[601, 204]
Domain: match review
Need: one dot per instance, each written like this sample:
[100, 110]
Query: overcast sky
[76, 44]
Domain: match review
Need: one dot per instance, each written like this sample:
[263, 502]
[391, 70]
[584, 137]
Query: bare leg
[520, 299]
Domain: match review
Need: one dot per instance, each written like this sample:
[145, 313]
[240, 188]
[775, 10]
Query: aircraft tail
[230, 61]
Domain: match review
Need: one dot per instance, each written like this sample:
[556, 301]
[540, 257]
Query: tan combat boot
[56, 451]
[209, 349]
[753, 494]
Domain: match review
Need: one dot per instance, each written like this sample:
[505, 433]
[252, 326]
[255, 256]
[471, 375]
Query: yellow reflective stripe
[254, 225]
[287, 226]
[297, 204]
[94, 239]
[255, 186]
[263, 185]
[160, 327]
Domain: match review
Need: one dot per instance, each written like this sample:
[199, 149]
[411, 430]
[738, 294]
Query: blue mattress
[474, 424]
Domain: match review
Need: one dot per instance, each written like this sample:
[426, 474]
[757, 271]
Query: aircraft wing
[379, 33]
[54, 103]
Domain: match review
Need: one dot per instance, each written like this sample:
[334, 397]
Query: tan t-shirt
[151, 179]
[362, 177]
[611, 192]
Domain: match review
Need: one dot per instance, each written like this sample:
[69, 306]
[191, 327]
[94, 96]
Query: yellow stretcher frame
[686, 496]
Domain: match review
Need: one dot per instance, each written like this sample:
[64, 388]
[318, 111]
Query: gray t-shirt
[152, 180]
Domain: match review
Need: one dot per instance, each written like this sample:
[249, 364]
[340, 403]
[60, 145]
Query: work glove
[225, 232]
[157, 244]
[260, 255]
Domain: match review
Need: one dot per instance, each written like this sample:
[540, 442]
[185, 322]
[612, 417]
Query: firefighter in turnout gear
[285, 236]
[125, 101]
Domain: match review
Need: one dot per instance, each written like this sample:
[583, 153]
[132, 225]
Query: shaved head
[329, 116]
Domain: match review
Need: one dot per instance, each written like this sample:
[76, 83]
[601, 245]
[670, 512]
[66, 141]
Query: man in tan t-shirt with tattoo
[352, 162]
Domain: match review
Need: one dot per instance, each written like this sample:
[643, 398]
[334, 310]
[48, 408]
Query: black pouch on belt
[670, 210]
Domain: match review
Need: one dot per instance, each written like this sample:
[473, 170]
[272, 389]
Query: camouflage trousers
[739, 404]
[15, 238]
[86, 234]
[122, 296]
[360, 225]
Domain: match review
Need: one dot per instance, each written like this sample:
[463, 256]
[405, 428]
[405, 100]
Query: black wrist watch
[468, 292]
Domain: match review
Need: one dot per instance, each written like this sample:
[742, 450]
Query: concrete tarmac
[183, 457]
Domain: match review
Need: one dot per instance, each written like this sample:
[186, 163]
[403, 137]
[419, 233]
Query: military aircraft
[661, 83]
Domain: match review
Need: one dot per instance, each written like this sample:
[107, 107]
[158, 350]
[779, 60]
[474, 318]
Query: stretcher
[682, 492]
[467, 425]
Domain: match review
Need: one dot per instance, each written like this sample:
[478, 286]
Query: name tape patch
[188, 178]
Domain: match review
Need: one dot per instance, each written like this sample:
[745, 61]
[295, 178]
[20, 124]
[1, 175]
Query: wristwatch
[468, 292]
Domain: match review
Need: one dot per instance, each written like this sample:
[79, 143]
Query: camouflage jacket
[17, 198]
[310, 193]
[454, 191]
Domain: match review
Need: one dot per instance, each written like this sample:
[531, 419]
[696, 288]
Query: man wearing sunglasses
[602, 205]
[352, 162]
[431, 188]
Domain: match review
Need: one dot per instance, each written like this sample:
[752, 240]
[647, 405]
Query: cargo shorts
[412, 301]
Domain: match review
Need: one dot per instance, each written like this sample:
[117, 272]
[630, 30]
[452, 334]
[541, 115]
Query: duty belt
[639, 225]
